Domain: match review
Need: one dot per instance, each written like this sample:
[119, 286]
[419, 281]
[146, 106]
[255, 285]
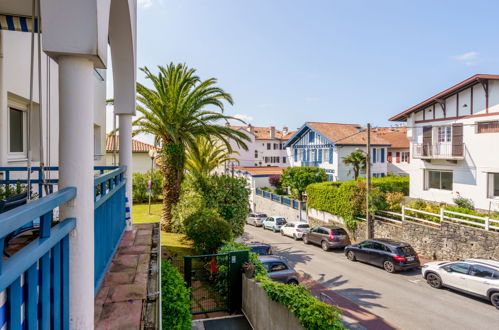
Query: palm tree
[357, 160]
[175, 111]
[206, 156]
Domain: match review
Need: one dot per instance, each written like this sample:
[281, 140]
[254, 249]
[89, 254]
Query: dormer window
[311, 136]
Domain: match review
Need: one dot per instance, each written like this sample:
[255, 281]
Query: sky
[286, 62]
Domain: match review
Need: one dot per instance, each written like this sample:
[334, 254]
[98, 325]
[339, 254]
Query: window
[404, 156]
[275, 146]
[311, 136]
[382, 157]
[493, 183]
[488, 127]
[481, 271]
[374, 154]
[280, 146]
[295, 154]
[459, 267]
[444, 134]
[366, 245]
[331, 156]
[378, 246]
[320, 155]
[268, 146]
[389, 156]
[277, 266]
[284, 160]
[256, 153]
[17, 131]
[439, 180]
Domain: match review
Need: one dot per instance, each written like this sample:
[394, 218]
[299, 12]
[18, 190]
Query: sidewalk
[354, 316]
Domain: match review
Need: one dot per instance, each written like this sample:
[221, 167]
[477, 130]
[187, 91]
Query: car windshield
[303, 226]
[261, 250]
[280, 221]
[261, 215]
[406, 251]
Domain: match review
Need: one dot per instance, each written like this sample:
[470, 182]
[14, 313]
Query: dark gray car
[327, 237]
[279, 269]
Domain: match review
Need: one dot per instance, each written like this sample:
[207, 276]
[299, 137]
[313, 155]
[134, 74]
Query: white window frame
[404, 156]
[446, 134]
[490, 186]
[426, 178]
[24, 108]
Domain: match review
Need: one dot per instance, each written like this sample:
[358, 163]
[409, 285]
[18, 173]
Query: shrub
[422, 205]
[190, 202]
[298, 178]
[175, 298]
[140, 183]
[275, 181]
[465, 203]
[9, 190]
[207, 229]
[392, 183]
[394, 200]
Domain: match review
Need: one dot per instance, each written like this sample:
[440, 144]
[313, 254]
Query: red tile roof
[263, 133]
[446, 93]
[396, 136]
[262, 170]
[346, 134]
[137, 146]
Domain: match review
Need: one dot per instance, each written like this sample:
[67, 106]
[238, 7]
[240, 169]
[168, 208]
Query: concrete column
[125, 125]
[76, 160]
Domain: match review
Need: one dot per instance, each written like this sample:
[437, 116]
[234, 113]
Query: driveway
[404, 299]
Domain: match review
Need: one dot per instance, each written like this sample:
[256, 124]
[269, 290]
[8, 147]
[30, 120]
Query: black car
[260, 248]
[389, 254]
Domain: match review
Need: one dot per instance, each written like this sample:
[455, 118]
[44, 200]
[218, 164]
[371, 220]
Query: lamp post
[152, 153]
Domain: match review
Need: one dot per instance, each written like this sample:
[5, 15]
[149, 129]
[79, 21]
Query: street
[404, 298]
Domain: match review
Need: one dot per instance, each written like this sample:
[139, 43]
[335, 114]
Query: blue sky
[288, 61]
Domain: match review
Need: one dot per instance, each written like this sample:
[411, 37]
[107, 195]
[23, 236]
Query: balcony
[439, 151]
[311, 163]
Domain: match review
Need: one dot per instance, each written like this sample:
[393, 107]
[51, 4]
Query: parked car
[279, 269]
[256, 219]
[260, 248]
[478, 277]
[390, 254]
[295, 229]
[327, 237]
[274, 223]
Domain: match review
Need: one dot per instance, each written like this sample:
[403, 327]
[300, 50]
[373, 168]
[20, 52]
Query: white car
[479, 277]
[295, 229]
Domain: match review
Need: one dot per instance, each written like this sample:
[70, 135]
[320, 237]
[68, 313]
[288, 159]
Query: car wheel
[389, 266]
[494, 299]
[351, 256]
[324, 246]
[294, 237]
[434, 280]
[305, 239]
[275, 230]
[293, 282]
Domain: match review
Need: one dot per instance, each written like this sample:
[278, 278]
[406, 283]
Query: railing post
[442, 214]
[487, 223]
[403, 213]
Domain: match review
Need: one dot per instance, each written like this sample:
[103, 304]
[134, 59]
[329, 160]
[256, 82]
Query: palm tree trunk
[172, 168]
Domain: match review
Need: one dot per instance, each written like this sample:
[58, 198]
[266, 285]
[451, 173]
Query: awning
[17, 23]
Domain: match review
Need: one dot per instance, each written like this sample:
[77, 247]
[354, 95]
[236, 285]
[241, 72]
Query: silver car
[256, 219]
[279, 269]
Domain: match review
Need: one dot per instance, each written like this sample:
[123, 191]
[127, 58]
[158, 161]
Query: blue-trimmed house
[325, 144]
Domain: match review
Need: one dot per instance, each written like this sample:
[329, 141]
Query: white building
[454, 138]
[141, 160]
[265, 148]
[399, 156]
[325, 145]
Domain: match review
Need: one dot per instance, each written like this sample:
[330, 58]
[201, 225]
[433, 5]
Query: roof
[487, 262]
[390, 241]
[396, 136]
[261, 170]
[446, 93]
[137, 146]
[263, 133]
[340, 134]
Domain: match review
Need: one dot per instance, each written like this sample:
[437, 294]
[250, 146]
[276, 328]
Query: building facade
[141, 160]
[453, 137]
[265, 148]
[325, 145]
[399, 156]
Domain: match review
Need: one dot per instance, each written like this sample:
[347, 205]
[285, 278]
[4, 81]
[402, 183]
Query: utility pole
[370, 228]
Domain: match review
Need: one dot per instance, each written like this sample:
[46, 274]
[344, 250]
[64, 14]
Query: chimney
[285, 130]
[272, 132]
[251, 128]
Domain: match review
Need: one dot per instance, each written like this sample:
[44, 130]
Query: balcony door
[444, 140]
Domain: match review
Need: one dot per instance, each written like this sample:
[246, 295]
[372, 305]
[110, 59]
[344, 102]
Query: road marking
[414, 281]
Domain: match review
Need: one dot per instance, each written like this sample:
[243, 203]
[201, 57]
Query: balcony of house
[442, 151]
[311, 163]
[36, 241]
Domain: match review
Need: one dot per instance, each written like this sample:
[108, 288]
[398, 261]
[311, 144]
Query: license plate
[410, 258]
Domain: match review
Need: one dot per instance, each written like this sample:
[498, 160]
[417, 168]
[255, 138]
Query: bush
[392, 184]
[208, 230]
[275, 181]
[298, 179]
[175, 298]
[465, 203]
[394, 201]
[9, 190]
[422, 205]
[190, 202]
[140, 183]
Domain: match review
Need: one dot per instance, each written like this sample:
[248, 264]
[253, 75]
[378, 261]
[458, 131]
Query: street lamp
[152, 154]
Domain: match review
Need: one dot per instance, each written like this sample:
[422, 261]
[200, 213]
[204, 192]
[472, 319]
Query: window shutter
[320, 155]
[427, 140]
[397, 156]
[382, 157]
[374, 155]
[295, 154]
[331, 156]
[389, 156]
[408, 157]
[457, 140]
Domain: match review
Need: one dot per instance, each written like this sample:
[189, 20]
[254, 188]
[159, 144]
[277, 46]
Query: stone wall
[270, 208]
[263, 313]
[449, 241]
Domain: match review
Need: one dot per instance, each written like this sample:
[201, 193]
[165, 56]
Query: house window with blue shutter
[308, 155]
[374, 155]
[320, 155]
[296, 154]
[311, 136]
[382, 157]
[331, 156]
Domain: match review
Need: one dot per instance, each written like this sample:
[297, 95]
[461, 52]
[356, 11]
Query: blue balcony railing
[34, 281]
[281, 199]
[311, 163]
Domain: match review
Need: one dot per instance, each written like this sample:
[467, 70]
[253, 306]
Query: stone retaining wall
[449, 241]
[270, 208]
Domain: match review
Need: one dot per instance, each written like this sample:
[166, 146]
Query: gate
[215, 281]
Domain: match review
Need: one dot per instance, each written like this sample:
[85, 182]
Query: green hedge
[140, 183]
[175, 299]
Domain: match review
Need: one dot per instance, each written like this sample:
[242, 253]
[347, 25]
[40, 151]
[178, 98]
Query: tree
[206, 156]
[357, 160]
[175, 111]
[275, 181]
[298, 178]
[208, 230]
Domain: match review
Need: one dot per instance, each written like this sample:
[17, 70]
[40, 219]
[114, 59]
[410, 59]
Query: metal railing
[281, 199]
[311, 163]
[34, 281]
[439, 151]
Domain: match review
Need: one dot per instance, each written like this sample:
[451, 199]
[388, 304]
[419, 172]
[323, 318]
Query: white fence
[473, 220]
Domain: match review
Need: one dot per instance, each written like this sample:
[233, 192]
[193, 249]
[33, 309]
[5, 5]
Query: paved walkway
[120, 301]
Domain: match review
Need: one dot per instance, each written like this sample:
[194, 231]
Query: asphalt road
[403, 299]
